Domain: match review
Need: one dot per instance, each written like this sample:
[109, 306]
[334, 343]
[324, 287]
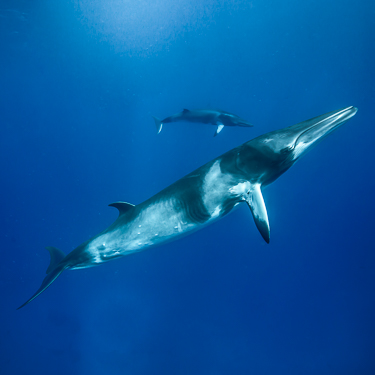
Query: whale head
[261, 161]
[233, 120]
[268, 156]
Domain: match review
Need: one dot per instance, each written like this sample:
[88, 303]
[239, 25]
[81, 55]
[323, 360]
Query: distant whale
[204, 116]
[201, 197]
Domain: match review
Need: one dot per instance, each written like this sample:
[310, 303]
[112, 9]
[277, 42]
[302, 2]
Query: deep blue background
[79, 81]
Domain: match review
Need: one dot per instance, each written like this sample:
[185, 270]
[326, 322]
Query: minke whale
[205, 116]
[203, 196]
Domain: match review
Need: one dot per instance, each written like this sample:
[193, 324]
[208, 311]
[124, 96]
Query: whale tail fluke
[158, 124]
[53, 272]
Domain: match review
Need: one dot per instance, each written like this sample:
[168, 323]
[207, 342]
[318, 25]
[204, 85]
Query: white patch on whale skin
[240, 189]
[300, 148]
[213, 174]
[267, 140]
[218, 186]
[216, 213]
[155, 224]
[178, 227]
[98, 249]
[215, 188]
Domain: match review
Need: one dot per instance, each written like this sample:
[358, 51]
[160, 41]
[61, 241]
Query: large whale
[205, 116]
[201, 197]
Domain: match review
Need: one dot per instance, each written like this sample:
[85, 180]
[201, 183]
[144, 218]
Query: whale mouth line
[335, 120]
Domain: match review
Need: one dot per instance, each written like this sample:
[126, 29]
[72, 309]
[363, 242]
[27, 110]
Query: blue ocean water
[79, 83]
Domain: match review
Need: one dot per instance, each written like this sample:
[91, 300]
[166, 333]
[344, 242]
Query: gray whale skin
[201, 197]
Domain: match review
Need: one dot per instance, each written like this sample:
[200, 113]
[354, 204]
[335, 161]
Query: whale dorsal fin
[256, 203]
[122, 207]
[185, 110]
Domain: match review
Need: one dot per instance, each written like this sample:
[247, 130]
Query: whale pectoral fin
[255, 201]
[185, 110]
[122, 207]
[219, 129]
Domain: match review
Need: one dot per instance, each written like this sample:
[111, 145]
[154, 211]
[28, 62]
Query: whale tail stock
[55, 268]
[158, 124]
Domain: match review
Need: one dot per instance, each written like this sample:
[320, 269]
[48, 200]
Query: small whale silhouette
[204, 116]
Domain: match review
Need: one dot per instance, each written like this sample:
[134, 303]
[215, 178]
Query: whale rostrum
[201, 197]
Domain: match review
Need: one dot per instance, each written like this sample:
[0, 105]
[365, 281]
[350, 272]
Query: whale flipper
[122, 207]
[52, 272]
[158, 124]
[219, 129]
[256, 203]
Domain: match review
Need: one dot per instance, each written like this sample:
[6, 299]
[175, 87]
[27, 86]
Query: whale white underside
[164, 220]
